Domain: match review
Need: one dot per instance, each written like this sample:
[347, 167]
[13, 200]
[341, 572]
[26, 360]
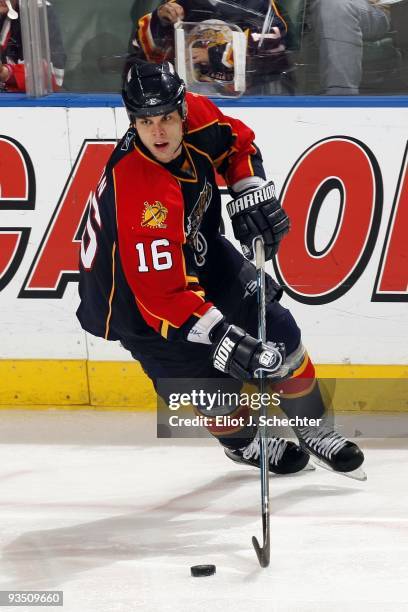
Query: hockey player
[156, 274]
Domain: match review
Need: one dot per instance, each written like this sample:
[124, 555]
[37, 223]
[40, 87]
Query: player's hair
[153, 89]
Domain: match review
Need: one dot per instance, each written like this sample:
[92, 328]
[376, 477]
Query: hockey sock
[235, 429]
[300, 395]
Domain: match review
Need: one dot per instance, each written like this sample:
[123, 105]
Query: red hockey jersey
[151, 226]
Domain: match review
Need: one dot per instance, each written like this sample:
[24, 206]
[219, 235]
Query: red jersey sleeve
[228, 141]
[16, 83]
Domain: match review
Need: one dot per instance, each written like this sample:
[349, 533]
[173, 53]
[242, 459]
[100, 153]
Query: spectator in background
[340, 27]
[154, 38]
[12, 73]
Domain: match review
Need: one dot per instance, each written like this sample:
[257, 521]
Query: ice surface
[92, 504]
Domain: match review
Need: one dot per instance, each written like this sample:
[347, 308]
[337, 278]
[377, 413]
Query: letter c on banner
[17, 180]
[348, 166]
[17, 192]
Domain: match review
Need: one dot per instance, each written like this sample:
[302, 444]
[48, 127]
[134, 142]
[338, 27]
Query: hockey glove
[255, 213]
[241, 356]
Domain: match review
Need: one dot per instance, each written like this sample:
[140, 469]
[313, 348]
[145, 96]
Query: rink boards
[341, 175]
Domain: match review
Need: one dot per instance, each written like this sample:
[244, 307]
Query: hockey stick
[263, 553]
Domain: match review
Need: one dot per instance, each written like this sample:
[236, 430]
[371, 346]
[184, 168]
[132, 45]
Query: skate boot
[284, 457]
[330, 450]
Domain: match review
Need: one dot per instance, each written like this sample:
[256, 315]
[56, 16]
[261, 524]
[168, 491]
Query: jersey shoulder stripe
[202, 113]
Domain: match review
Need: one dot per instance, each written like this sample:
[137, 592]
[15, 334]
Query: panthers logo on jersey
[196, 216]
[154, 215]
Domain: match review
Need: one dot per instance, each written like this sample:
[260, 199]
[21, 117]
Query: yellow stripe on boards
[43, 381]
[116, 385]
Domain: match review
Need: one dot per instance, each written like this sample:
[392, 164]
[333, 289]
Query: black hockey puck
[202, 570]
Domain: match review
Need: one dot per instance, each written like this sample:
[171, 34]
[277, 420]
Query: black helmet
[153, 89]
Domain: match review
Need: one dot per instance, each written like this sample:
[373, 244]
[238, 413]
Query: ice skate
[332, 451]
[285, 457]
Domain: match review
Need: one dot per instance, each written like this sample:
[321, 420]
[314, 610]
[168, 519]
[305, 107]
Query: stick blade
[357, 474]
[263, 554]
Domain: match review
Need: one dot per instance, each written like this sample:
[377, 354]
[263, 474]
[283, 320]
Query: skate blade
[358, 474]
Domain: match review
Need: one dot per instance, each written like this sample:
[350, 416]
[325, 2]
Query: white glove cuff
[250, 182]
[200, 332]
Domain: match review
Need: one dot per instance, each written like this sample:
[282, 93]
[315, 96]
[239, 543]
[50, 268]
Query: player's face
[161, 135]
